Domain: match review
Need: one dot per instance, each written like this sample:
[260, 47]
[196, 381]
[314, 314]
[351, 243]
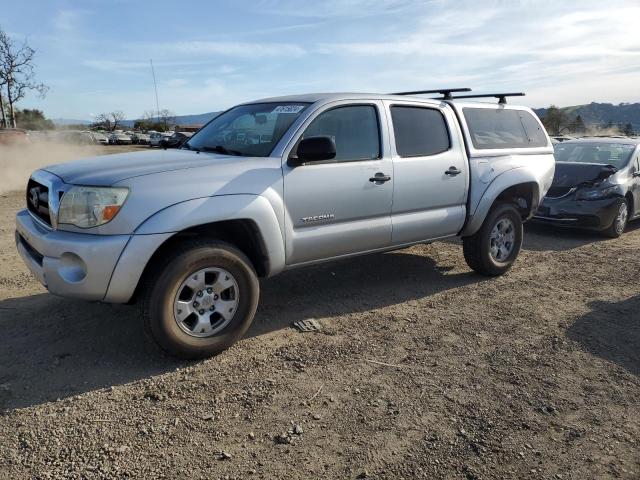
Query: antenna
[502, 97]
[445, 92]
[155, 86]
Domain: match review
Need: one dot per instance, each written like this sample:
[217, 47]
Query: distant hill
[600, 114]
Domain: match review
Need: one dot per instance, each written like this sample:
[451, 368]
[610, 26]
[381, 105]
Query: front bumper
[590, 214]
[69, 264]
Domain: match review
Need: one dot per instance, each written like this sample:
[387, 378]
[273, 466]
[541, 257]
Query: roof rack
[502, 97]
[445, 92]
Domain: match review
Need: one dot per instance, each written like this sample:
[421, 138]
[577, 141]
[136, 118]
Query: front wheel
[201, 300]
[619, 222]
[494, 248]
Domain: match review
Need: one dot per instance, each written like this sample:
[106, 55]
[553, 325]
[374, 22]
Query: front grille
[38, 200]
[559, 192]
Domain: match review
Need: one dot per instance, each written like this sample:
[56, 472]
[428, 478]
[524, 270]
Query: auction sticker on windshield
[288, 109]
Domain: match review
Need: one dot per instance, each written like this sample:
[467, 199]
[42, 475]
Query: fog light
[72, 268]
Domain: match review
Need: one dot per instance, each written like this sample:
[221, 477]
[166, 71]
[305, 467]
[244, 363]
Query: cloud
[68, 20]
[234, 49]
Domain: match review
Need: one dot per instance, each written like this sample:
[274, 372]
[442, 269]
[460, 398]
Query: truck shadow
[611, 330]
[55, 348]
[540, 237]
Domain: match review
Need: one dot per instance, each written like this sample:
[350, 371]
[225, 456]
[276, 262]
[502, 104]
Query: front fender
[161, 226]
[200, 211]
[502, 182]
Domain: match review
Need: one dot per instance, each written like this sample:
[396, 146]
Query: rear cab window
[501, 128]
[419, 131]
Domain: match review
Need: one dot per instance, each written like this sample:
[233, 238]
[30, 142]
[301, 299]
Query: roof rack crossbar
[445, 92]
[502, 97]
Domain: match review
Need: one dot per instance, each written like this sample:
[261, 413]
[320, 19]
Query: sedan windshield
[616, 154]
[247, 130]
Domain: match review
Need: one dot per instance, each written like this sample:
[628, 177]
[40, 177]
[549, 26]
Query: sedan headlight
[597, 194]
[87, 207]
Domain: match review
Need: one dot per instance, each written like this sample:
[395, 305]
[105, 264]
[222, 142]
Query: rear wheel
[201, 300]
[494, 248]
[619, 223]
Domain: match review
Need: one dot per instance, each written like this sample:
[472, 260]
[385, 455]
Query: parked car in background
[155, 139]
[9, 136]
[596, 185]
[142, 139]
[176, 140]
[100, 138]
[79, 138]
[119, 138]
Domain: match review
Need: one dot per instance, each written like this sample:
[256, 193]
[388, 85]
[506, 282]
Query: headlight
[87, 207]
[596, 194]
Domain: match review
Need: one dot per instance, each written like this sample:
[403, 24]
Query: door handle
[380, 178]
[453, 171]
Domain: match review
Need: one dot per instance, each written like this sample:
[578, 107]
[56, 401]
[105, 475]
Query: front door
[338, 207]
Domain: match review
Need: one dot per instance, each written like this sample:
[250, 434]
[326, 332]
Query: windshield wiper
[221, 149]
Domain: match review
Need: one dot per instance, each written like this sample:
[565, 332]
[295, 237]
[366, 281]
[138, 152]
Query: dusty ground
[422, 370]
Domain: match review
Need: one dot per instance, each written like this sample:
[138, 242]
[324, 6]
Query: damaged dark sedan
[596, 185]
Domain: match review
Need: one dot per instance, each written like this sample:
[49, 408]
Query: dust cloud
[18, 161]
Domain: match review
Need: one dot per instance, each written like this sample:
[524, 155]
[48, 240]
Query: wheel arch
[249, 222]
[243, 234]
[516, 187]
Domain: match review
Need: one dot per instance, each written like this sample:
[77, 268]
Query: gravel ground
[422, 369]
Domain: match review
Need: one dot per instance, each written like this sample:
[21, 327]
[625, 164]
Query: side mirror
[314, 149]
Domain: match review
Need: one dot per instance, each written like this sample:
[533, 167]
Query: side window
[354, 128]
[532, 127]
[419, 131]
[503, 128]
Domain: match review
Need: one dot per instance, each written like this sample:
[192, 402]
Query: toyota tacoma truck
[276, 184]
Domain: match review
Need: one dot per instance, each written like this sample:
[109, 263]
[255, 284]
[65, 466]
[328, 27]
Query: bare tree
[3, 115]
[117, 117]
[166, 118]
[110, 120]
[17, 73]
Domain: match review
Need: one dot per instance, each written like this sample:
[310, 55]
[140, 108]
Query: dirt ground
[422, 370]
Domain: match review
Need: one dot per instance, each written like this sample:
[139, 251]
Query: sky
[210, 55]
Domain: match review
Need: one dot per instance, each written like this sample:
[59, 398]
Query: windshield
[616, 154]
[248, 130]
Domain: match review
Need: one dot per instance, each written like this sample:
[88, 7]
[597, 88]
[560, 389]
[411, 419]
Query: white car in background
[100, 138]
[155, 139]
[119, 138]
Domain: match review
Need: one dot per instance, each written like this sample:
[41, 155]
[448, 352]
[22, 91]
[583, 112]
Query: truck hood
[570, 174]
[106, 170]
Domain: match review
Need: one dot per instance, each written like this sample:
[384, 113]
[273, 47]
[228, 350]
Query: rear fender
[502, 182]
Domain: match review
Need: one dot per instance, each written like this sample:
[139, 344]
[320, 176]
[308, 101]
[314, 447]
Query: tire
[204, 332]
[619, 223]
[478, 247]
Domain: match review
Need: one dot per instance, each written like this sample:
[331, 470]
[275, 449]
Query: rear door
[332, 207]
[431, 172]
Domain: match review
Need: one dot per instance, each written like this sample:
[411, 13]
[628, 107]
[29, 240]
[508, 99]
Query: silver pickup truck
[275, 184]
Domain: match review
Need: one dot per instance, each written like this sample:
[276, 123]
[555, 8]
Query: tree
[109, 121]
[3, 113]
[33, 120]
[555, 120]
[17, 73]
[166, 118]
[577, 126]
[628, 130]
